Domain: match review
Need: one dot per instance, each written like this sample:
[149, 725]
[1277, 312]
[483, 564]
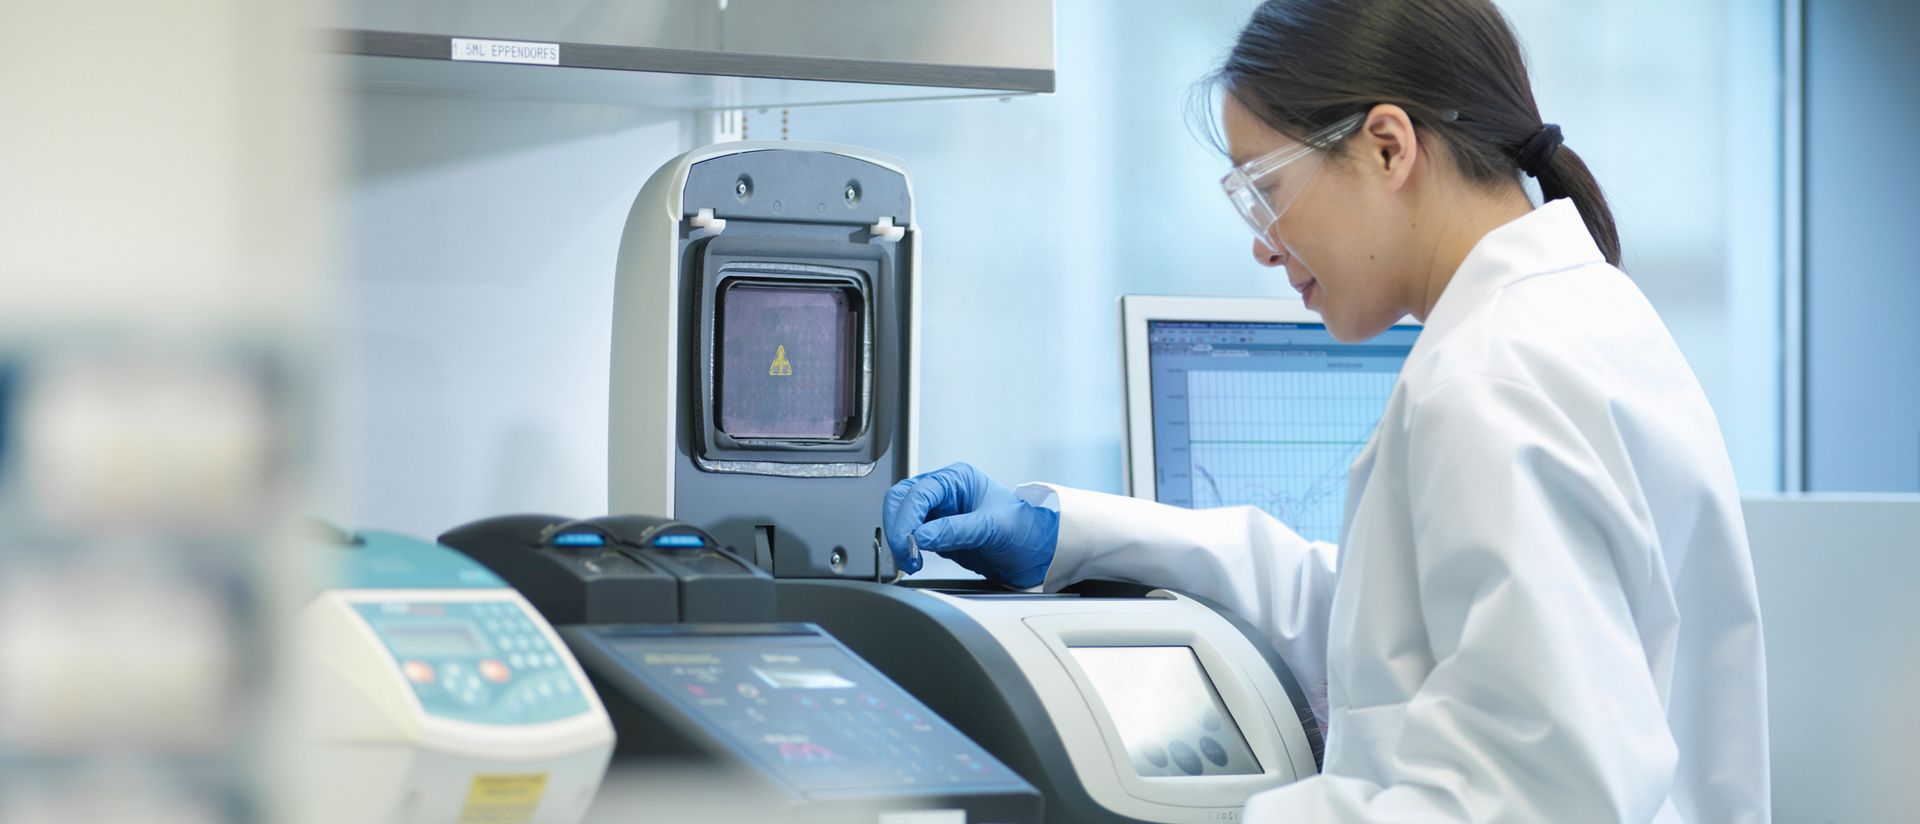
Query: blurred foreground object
[161, 238]
[438, 694]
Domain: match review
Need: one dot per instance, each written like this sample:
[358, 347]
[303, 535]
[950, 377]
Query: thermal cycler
[765, 387]
[681, 640]
[429, 691]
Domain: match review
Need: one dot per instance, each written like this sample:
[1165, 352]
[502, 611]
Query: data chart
[1282, 441]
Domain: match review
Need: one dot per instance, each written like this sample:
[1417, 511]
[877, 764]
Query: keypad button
[498, 673]
[1213, 751]
[1185, 758]
[419, 672]
[1155, 755]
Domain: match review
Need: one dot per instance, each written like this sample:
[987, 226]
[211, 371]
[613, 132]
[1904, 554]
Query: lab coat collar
[1551, 238]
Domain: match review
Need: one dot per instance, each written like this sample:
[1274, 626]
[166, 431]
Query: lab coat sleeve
[1539, 705]
[1239, 557]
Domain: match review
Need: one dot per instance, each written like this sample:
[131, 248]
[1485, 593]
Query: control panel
[481, 661]
[796, 703]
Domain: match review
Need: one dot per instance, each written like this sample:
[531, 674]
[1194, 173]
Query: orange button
[495, 671]
[419, 672]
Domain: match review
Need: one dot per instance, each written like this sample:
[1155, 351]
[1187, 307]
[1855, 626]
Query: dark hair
[1453, 65]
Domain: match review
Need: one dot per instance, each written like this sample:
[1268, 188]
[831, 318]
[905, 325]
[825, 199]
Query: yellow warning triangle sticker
[781, 366]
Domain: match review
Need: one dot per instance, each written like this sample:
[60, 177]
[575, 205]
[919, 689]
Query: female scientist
[1543, 607]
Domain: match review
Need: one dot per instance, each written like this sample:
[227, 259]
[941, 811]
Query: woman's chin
[1346, 328]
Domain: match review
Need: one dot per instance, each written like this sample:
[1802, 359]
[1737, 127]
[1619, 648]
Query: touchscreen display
[1169, 716]
[789, 361]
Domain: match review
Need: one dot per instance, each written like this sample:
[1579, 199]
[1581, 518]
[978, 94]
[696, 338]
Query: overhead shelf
[410, 63]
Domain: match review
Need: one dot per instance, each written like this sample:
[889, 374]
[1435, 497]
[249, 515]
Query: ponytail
[1454, 66]
[1563, 174]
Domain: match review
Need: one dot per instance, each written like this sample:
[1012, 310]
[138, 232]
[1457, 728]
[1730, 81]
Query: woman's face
[1337, 239]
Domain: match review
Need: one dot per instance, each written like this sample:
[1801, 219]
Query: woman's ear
[1388, 145]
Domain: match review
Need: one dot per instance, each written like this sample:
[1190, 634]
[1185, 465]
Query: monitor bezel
[1136, 311]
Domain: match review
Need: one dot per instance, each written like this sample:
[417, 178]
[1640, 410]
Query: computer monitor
[1250, 401]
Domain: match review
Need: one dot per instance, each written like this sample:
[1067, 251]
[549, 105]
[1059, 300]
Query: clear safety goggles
[1261, 199]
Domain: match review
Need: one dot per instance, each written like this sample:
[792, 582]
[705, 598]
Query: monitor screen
[788, 360]
[1269, 415]
[1168, 714]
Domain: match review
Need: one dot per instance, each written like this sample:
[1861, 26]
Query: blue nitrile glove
[982, 525]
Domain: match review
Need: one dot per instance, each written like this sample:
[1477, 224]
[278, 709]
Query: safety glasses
[1261, 198]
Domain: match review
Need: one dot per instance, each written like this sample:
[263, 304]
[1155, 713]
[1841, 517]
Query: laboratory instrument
[679, 636]
[765, 329]
[427, 691]
[1121, 703]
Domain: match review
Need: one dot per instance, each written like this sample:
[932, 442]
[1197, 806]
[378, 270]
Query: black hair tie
[1535, 154]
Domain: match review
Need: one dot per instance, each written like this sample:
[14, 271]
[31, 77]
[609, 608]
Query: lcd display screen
[1167, 712]
[802, 678]
[432, 640]
[788, 361]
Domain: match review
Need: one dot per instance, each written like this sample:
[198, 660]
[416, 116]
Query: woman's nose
[1266, 256]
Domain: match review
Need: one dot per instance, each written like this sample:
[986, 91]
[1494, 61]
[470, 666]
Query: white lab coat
[1544, 608]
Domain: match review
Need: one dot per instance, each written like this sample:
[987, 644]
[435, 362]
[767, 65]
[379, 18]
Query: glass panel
[787, 361]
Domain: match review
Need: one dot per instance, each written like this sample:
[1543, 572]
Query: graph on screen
[1282, 441]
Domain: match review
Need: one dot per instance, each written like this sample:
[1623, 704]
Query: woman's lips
[1306, 292]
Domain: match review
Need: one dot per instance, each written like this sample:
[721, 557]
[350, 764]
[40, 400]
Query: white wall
[469, 364]
[1836, 578]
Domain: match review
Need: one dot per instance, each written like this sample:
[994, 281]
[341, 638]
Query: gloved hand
[961, 513]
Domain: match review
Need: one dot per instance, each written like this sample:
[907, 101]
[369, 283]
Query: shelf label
[506, 51]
